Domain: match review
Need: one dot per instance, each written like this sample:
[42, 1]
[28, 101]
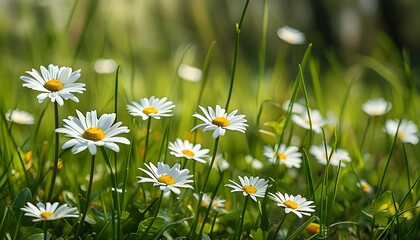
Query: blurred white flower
[20, 117]
[218, 203]
[255, 163]
[105, 66]
[407, 132]
[365, 186]
[297, 107]
[376, 107]
[189, 73]
[291, 35]
[49, 211]
[220, 162]
[318, 151]
[316, 121]
[152, 107]
[252, 186]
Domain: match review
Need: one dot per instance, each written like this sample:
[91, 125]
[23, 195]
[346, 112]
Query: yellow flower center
[93, 133]
[220, 121]
[249, 189]
[290, 204]
[168, 180]
[188, 153]
[150, 110]
[365, 186]
[313, 228]
[401, 135]
[282, 156]
[203, 204]
[53, 85]
[46, 215]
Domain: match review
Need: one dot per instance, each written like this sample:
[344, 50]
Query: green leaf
[158, 223]
[205, 237]
[257, 235]
[132, 236]
[21, 199]
[39, 236]
[124, 215]
[384, 208]
[298, 231]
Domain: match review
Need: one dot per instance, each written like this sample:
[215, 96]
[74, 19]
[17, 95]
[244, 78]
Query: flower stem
[238, 230]
[50, 193]
[154, 216]
[279, 227]
[147, 139]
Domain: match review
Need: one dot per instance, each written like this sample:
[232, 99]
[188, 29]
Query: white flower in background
[218, 204]
[295, 204]
[49, 212]
[318, 151]
[407, 133]
[187, 150]
[252, 186]
[57, 84]
[297, 107]
[316, 120]
[190, 73]
[376, 107]
[255, 163]
[365, 186]
[291, 35]
[220, 162]
[105, 66]
[219, 121]
[152, 107]
[289, 156]
[19, 117]
[91, 132]
[166, 178]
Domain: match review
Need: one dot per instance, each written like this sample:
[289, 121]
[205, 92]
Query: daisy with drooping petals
[289, 156]
[295, 204]
[252, 186]
[19, 117]
[152, 107]
[315, 122]
[167, 178]
[407, 132]
[219, 121]
[187, 150]
[291, 35]
[91, 132]
[55, 83]
[376, 107]
[323, 157]
[49, 212]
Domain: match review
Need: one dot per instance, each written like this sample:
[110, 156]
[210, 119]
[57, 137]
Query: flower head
[376, 107]
[365, 186]
[296, 107]
[220, 121]
[217, 204]
[49, 211]
[19, 117]
[167, 178]
[295, 204]
[190, 73]
[313, 228]
[407, 132]
[91, 132]
[289, 156]
[315, 122]
[55, 83]
[220, 162]
[152, 107]
[252, 186]
[187, 150]
[318, 151]
[291, 35]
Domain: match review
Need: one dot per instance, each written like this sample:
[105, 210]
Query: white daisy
[218, 203]
[318, 151]
[220, 121]
[407, 133]
[252, 186]
[54, 83]
[105, 66]
[19, 117]
[91, 132]
[255, 163]
[152, 107]
[297, 107]
[168, 179]
[291, 35]
[317, 121]
[295, 204]
[190, 73]
[365, 186]
[49, 211]
[220, 162]
[376, 107]
[289, 156]
[188, 150]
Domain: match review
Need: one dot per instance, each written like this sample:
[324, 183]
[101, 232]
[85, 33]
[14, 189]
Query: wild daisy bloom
[318, 151]
[295, 204]
[365, 186]
[255, 163]
[49, 212]
[190, 73]
[291, 35]
[252, 186]
[218, 204]
[187, 150]
[55, 83]
[407, 133]
[220, 162]
[151, 107]
[376, 107]
[166, 178]
[19, 117]
[317, 121]
[289, 156]
[297, 107]
[219, 121]
[91, 132]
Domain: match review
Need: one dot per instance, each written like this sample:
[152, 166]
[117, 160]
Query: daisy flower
[220, 162]
[187, 150]
[297, 107]
[376, 107]
[365, 186]
[219, 121]
[19, 117]
[49, 212]
[255, 163]
[289, 156]
[55, 83]
[407, 133]
[152, 107]
[168, 179]
[252, 186]
[302, 119]
[91, 132]
[291, 35]
[295, 204]
[190, 73]
[218, 204]
[318, 151]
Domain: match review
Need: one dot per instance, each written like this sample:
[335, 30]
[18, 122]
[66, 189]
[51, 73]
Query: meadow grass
[363, 185]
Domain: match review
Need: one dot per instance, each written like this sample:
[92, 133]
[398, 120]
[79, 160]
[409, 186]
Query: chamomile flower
[49, 212]
[166, 178]
[20, 117]
[376, 107]
[316, 120]
[219, 121]
[57, 84]
[291, 35]
[252, 186]
[220, 162]
[217, 204]
[188, 150]
[90, 132]
[295, 204]
[289, 156]
[365, 186]
[318, 151]
[407, 132]
[296, 107]
[151, 107]
[190, 73]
